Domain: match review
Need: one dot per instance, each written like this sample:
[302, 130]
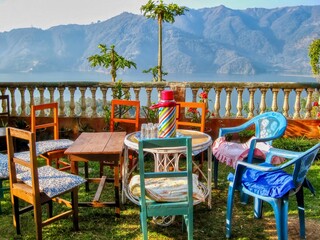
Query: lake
[102, 77]
[128, 77]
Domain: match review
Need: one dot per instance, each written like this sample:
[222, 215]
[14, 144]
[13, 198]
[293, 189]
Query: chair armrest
[281, 153]
[224, 131]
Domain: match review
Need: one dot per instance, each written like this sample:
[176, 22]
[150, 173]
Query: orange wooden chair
[38, 186]
[184, 122]
[183, 107]
[51, 150]
[124, 111]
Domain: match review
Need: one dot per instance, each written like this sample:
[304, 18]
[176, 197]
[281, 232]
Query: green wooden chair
[182, 206]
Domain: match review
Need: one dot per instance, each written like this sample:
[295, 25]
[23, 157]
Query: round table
[200, 142]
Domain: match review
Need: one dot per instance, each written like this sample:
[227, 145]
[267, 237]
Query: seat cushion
[51, 145]
[4, 173]
[167, 189]
[269, 184]
[231, 152]
[4, 166]
[52, 181]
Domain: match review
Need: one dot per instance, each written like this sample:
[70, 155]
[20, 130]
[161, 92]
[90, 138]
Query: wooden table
[99, 146]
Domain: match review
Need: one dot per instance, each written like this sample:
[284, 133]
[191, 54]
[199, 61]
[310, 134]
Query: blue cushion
[52, 181]
[269, 184]
[51, 145]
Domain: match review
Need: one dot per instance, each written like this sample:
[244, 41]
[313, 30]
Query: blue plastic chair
[274, 185]
[268, 126]
[151, 208]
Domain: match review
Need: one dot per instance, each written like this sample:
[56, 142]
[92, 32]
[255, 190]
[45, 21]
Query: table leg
[117, 187]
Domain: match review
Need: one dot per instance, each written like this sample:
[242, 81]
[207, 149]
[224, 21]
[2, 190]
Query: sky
[47, 13]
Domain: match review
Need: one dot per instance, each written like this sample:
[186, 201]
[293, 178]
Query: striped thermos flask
[167, 115]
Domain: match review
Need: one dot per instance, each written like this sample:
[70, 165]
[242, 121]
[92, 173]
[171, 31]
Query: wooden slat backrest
[55, 121]
[188, 105]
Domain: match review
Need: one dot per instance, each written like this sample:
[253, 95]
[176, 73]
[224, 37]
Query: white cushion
[52, 181]
[51, 145]
[167, 189]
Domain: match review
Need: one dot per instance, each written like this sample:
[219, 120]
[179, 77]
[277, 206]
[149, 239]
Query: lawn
[100, 223]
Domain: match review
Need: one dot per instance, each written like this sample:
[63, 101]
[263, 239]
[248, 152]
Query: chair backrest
[191, 107]
[269, 125]
[14, 133]
[5, 108]
[121, 112]
[303, 164]
[52, 122]
[186, 146]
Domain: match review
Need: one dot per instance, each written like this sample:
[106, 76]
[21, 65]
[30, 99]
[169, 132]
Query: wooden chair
[38, 186]
[183, 107]
[274, 185]
[122, 108]
[182, 122]
[51, 150]
[5, 120]
[183, 205]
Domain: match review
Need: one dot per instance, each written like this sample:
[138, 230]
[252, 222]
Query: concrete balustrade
[227, 100]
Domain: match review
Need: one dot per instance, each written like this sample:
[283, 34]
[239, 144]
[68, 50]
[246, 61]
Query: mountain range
[208, 40]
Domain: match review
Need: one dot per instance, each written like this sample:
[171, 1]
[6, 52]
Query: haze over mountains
[210, 40]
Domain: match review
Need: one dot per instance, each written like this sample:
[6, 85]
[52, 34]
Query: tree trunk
[160, 49]
[113, 67]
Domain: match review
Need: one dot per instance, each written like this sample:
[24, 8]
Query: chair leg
[75, 209]
[280, 207]
[50, 209]
[258, 205]
[215, 171]
[229, 211]
[16, 215]
[300, 202]
[144, 225]
[38, 219]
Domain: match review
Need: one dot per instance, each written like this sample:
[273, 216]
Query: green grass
[100, 223]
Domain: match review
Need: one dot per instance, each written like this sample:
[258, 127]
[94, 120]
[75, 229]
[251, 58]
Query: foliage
[118, 93]
[154, 72]
[314, 54]
[152, 115]
[21, 124]
[163, 13]
[194, 113]
[3, 123]
[298, 144]
[246, 134]
[109, 57]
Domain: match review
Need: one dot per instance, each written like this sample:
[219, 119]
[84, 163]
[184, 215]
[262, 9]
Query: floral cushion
[167, 189]
[51, 145]
[4, 167]
[4, 173]
[52, 181]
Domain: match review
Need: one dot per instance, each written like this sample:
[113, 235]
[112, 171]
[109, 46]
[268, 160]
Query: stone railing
[225, 99]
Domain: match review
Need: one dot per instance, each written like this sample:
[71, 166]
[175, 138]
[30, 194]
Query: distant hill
[209, 40]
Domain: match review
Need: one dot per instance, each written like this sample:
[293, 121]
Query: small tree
[314, 54]
[154, 72]
[109, 57]
[163, 13]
